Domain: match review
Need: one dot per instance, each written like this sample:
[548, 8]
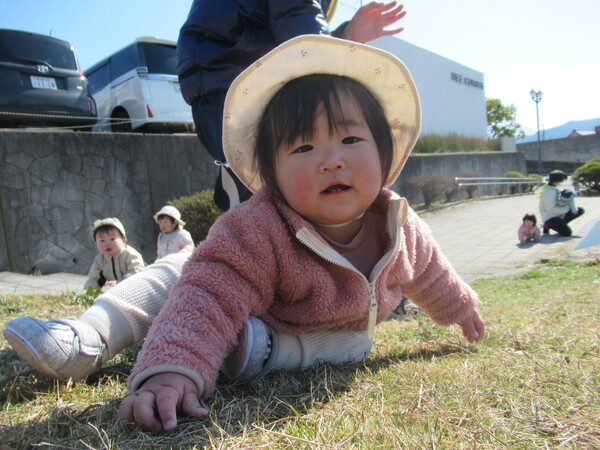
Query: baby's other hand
[110, 283]
[473, 327]
[156, 404]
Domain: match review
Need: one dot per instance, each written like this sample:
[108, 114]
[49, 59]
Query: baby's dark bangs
[294, 107]
[292, 113]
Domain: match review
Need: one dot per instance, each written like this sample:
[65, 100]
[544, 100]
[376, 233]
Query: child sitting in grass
[115, 260]
[70, 347]
[172, 238]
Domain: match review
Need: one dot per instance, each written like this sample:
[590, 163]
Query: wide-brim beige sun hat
[172, 212]
[382, 73]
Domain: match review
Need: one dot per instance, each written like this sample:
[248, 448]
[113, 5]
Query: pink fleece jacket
[263, 259]
[525, 233]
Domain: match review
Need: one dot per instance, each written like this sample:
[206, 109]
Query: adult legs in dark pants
[208, 117]
[559, 224]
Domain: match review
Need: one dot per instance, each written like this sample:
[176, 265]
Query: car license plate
[43, 82]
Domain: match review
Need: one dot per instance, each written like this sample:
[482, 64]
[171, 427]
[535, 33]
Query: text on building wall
[465, 80]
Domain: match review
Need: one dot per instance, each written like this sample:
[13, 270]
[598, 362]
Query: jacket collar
[394, 206]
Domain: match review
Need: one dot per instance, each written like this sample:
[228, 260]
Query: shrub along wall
[53, 185]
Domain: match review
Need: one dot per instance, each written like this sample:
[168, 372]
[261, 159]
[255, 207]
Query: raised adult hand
[370, 21]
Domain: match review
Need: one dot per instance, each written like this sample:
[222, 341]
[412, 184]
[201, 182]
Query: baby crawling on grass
[302, 272]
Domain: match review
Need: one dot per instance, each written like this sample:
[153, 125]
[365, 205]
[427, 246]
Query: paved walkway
[56, 283]
[478, 237]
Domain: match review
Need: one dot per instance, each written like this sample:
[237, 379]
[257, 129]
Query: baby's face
[528, 223]
[166, 224]
[334, 176]
[109, 243]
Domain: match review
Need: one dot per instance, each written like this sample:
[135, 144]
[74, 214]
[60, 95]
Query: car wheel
[121, 117]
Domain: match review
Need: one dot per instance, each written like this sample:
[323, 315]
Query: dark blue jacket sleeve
[291, 18]
[221, 38]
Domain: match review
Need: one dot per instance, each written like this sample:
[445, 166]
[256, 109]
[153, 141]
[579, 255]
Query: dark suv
[41, 83]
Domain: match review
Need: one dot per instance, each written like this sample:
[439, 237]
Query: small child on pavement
[172, 238]
[528, 231]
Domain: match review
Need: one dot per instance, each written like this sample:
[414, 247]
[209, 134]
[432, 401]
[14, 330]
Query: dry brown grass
[533, 383]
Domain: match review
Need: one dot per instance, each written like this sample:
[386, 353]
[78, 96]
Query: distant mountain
[562, 131]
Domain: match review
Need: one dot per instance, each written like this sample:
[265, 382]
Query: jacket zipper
[112, 260]
[372, 310]
[309, 239]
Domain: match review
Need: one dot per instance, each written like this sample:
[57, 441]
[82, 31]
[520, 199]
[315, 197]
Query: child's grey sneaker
[65, 348]
[406, 310]
[250, 359]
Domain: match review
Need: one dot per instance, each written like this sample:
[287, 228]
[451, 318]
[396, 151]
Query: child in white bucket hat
[304, 270]
[172, 238]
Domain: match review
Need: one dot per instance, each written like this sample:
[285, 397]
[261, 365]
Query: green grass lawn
[534, 382]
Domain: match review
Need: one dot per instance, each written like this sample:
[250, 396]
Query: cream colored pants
[123, 315]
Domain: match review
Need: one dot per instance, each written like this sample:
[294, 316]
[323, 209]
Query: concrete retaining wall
[565, 154]
[494, 164]
[53, 185]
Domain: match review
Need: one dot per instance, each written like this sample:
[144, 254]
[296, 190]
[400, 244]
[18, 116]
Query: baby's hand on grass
[156, 404]
[473, 327]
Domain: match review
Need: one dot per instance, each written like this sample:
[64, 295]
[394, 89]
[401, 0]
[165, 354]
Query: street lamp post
[536, 96]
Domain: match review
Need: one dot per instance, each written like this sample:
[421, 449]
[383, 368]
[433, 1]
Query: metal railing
[480, 181]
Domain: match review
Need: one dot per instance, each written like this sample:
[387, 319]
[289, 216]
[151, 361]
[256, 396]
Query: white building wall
[452, 95]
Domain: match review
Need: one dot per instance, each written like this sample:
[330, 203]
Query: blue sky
[517, 44]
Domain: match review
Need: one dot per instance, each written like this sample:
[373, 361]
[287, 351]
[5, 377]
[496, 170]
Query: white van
[137, 89]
